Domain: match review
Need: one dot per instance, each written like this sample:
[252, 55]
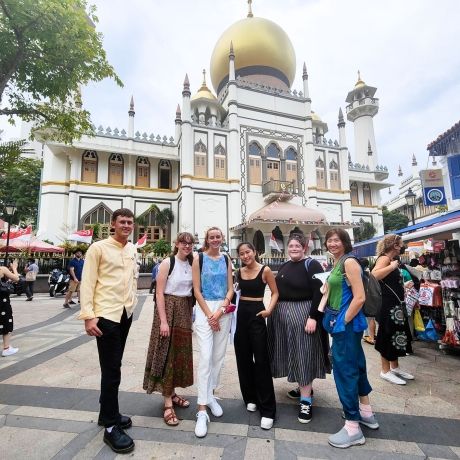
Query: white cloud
[404, 48]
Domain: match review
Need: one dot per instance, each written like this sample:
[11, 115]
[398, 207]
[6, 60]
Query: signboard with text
[433, 187]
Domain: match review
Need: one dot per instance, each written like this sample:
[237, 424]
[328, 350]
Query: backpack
[372, 290]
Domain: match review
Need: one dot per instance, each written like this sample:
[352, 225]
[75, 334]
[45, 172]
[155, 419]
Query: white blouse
[179, 281]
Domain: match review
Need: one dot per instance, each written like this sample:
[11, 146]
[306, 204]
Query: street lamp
[9, 210]
[410, 197]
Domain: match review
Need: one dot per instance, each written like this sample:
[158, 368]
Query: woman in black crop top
[297, 344]
[250, 341]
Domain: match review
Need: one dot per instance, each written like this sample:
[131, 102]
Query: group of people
[284, 334]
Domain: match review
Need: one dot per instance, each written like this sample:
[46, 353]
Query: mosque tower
[361, 109]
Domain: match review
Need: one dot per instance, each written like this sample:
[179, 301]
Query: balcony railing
[279, 187]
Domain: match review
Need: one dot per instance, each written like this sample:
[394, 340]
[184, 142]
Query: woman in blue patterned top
[213, 288]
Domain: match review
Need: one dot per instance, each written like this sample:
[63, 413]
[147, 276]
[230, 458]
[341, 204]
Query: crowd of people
[281, 325]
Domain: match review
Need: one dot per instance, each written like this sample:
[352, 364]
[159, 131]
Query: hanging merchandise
[411, 297]
[418, 321]
[430, 294]
[429, 334]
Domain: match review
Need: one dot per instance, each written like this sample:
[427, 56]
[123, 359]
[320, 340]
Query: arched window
[201, 164]
[100, 215]
[291, 165]
[220, 162]
[164, 174]
[116, 169]
[89, 166]
[273, 164]
[142, 172]
[334, 183]
[354, 193]
[148, 222]
[320, 173]
[367, 196]
[255, 162]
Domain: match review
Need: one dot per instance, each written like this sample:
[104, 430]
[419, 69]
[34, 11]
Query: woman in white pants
[213, 288]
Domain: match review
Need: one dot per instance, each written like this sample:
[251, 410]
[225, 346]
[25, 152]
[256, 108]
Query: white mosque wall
[211, 210]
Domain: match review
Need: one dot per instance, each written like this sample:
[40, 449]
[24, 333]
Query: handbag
[429, 334]
[6, 287]
[31, 276]
[398, 309]
[418, 321]
[411, 298]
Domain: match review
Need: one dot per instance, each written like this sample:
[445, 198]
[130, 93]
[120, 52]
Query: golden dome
[315, 117]
[260, 47]
[359, 83]
[204, 92]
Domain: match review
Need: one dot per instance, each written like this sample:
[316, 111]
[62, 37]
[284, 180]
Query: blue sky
[404, 48]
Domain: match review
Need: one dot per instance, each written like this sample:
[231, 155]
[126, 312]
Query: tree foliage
[50, 48]
[20, 184]
[9, 154]
[393, 220]
[364, 232]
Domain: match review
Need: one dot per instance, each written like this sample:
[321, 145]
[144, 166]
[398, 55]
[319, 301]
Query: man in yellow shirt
[108, 296]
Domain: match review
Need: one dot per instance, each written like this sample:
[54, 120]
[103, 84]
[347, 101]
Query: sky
[406, 49]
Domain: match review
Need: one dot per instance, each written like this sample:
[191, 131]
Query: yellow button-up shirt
[108, 282]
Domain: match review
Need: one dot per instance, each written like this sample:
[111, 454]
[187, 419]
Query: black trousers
[111, 346]
[252, 359]
[29, 289]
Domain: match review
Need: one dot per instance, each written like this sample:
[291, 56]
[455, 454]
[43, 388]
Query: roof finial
[369, 148]
[204, 78]
[186, 90]
[400, 173]
[231, 54]
[414, 160]
[131, 107]
[250, 15]
[304, 73]
[359, 82]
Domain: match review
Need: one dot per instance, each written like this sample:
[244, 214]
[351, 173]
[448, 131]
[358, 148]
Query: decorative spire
[131, 107]
[400, 171]
[369, 148]
[359, 82]
[204, 78]
[341, 123]
[304, 73]
[231, 54]
[178, 114]
[389, 190]
[434, 163]
[350, 163]
[414, 160]
[250, 15]
[186, 90]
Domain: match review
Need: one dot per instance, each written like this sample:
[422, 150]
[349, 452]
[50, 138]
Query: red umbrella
[33, 245]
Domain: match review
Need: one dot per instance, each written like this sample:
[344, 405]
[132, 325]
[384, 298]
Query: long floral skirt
[170, 359]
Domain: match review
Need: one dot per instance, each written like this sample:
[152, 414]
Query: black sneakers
[125, 422]
[305, 412]
[294, 394]
[118, 440]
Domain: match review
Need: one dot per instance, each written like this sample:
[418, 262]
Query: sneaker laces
[305, 408]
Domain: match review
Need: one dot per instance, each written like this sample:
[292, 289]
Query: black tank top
[254, 287]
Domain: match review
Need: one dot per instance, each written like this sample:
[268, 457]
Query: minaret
[361, 109]
[131, 114]
[414, 166]
[306, 92]
[178, 122]
[400, 173]
[341, 126]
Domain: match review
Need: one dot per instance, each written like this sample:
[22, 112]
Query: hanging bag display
[411, 297]
[429, 334]
[418, 321]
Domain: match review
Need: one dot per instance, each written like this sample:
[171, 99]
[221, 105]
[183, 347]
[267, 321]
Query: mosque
[252, 157]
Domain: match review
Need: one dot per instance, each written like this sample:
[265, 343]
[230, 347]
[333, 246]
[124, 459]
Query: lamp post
[410, 197]
[10, 209]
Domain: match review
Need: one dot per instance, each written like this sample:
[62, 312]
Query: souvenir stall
[436, 315]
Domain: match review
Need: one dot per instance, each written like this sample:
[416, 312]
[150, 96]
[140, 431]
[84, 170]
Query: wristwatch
[223, 309]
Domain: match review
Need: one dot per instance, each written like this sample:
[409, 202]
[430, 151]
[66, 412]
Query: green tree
[9, 154]
[364, 232]
[393, 220]
[161, 248]
[163, 218]
[20, 184]
[50, 48]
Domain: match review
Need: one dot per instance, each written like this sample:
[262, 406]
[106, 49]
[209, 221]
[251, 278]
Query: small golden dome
[260, 46]
[204, 92]
[315, 117]
[360, 82]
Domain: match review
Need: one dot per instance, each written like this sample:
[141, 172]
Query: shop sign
[433, 187]
[439, 246]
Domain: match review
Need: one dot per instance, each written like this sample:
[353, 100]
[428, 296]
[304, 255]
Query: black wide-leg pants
[252, 359]
[111, 345]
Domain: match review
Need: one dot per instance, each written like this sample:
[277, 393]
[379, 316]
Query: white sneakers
[9, 351]
[251, 407]
[201, 427]
[216, 410]
[393, 378]
[402, 374]
[266, 423]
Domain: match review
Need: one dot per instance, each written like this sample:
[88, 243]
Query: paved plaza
[49, 402]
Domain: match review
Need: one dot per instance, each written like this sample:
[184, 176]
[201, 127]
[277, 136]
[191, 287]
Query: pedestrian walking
[251, 347]
[170, 354]
[31, 271]
[75, 269]
[394, 336]
[213, 289]
[294, 329]
[6, 312]
[345, 321]
[108, 297]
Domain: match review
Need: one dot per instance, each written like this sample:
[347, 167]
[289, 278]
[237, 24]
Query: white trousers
[212, 347]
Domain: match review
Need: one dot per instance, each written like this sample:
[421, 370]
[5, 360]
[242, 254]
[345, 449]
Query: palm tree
[161, 217]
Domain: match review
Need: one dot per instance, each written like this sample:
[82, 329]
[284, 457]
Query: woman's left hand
[264, 313]
[310, 326]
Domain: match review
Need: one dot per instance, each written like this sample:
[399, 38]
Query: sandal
[368, 340]
[178, 401]
[169, 419]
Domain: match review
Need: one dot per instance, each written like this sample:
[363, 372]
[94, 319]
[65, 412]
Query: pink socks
[352, 427]
[365, 410]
